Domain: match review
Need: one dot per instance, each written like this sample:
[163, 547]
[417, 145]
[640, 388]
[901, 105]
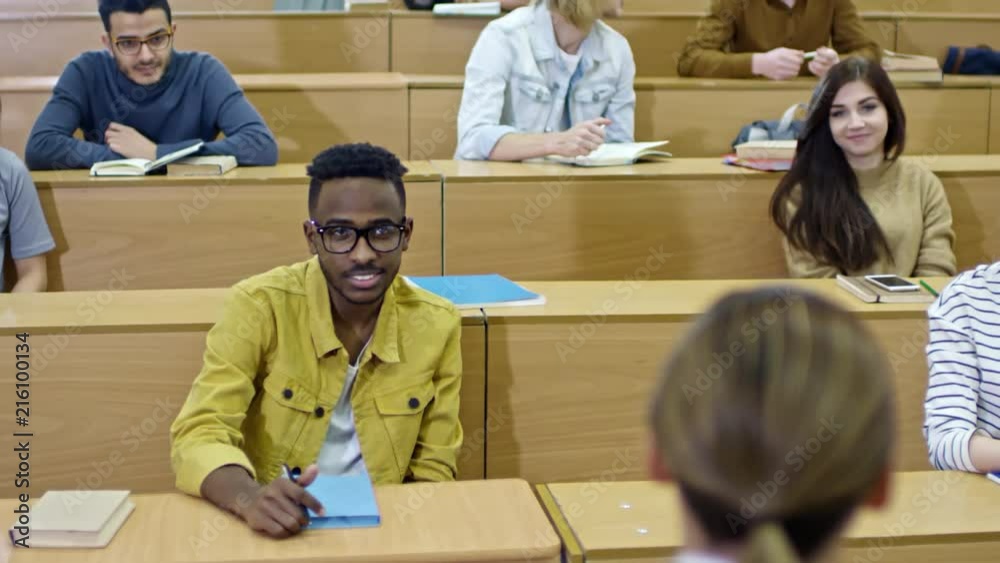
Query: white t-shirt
[341, 451]
[570, 62]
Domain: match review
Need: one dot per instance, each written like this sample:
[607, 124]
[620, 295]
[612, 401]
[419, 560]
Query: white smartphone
[893, 283]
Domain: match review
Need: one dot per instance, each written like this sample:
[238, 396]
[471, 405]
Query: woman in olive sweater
[849, 205]
[747, 38]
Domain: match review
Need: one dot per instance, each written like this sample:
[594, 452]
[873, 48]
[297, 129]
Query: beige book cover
[78, 518]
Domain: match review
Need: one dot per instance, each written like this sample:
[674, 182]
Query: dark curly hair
[108, 7]
[358, 160]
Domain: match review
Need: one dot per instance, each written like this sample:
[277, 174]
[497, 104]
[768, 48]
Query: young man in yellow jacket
[335, 365]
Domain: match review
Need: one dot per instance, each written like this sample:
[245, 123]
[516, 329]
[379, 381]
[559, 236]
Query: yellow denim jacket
[274, 370]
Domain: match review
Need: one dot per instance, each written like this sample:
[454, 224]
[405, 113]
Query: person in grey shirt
[23, 224]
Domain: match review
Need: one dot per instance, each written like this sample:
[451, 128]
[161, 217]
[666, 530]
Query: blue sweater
[195, 100]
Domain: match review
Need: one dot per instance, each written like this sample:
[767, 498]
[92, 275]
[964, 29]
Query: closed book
[478, 291]
[911, 68]
[871, 293]
[78, 519]
[467, 9]
[202, 166]
[767, 150]
[348, 502]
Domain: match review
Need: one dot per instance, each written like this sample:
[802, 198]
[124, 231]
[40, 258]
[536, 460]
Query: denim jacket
[515, 82]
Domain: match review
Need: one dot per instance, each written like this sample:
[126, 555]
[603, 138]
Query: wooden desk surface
[678, 299]
[642, 518]
[676, 168]
[419, 171]
[140, 310]
[467, 521]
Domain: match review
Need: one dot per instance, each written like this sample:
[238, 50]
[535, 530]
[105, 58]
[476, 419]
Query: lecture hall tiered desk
[551, 393]
[932, 517]
[679, 219]
[497, 521]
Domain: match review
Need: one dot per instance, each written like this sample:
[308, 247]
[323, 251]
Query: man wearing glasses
[141, 99]
[335, 365]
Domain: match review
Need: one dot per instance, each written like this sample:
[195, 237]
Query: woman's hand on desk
[580, 140]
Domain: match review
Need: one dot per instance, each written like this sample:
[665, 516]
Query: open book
[76, 519]
[615, 154]
[911, 68]
[141, 166]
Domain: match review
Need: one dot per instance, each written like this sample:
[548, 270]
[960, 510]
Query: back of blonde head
[775, 417]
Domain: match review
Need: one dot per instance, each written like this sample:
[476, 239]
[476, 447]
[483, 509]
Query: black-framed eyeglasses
[132, 45]
[341, 239]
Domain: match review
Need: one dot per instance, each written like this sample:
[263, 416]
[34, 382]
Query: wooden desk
[932, 33]
[896, 7]
[246, 42]
[111, 370]
[933, 517]
[474, 522]
[994, 119]
[575, 375]
[197, 232]
[424, 44]
[946, 119]
[553, 222]
[86, 6]
[306, 112]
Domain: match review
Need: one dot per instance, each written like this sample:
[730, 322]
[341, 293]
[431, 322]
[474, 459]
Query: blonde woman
[549, 78]
[776, 454]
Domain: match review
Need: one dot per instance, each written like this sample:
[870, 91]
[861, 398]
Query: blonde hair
[775, 417]
[581, 13]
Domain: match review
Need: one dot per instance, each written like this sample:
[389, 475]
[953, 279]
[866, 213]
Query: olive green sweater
[909, 203]
[726, 38]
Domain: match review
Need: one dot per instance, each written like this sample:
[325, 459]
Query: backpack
[972, 60]
[785, 129]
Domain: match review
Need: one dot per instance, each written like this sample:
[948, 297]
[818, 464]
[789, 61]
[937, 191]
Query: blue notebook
[475, 292]
[349, 501]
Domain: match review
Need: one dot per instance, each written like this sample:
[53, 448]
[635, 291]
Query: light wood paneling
[573, 422]
[184, 233]
[441, 522]
[656, 39]
[932, 34]
[995, 119]
[110, 371]
[940, 119]
[306, 112]
[247, 42]
[894, 7]
[605, 229]
[176, 6]
[549, 222]
[933, 516]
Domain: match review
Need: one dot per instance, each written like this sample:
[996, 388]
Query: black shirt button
[287, 393]
[320, 411]
[414, 402]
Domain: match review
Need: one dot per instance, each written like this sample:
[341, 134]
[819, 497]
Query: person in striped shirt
[962, 407]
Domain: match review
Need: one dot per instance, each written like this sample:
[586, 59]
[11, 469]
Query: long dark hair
[832, 222]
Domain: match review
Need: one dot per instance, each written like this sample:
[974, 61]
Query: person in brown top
[747, 38]
[849, 205]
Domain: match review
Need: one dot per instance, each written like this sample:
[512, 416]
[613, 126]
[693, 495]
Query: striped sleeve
[951, 405]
